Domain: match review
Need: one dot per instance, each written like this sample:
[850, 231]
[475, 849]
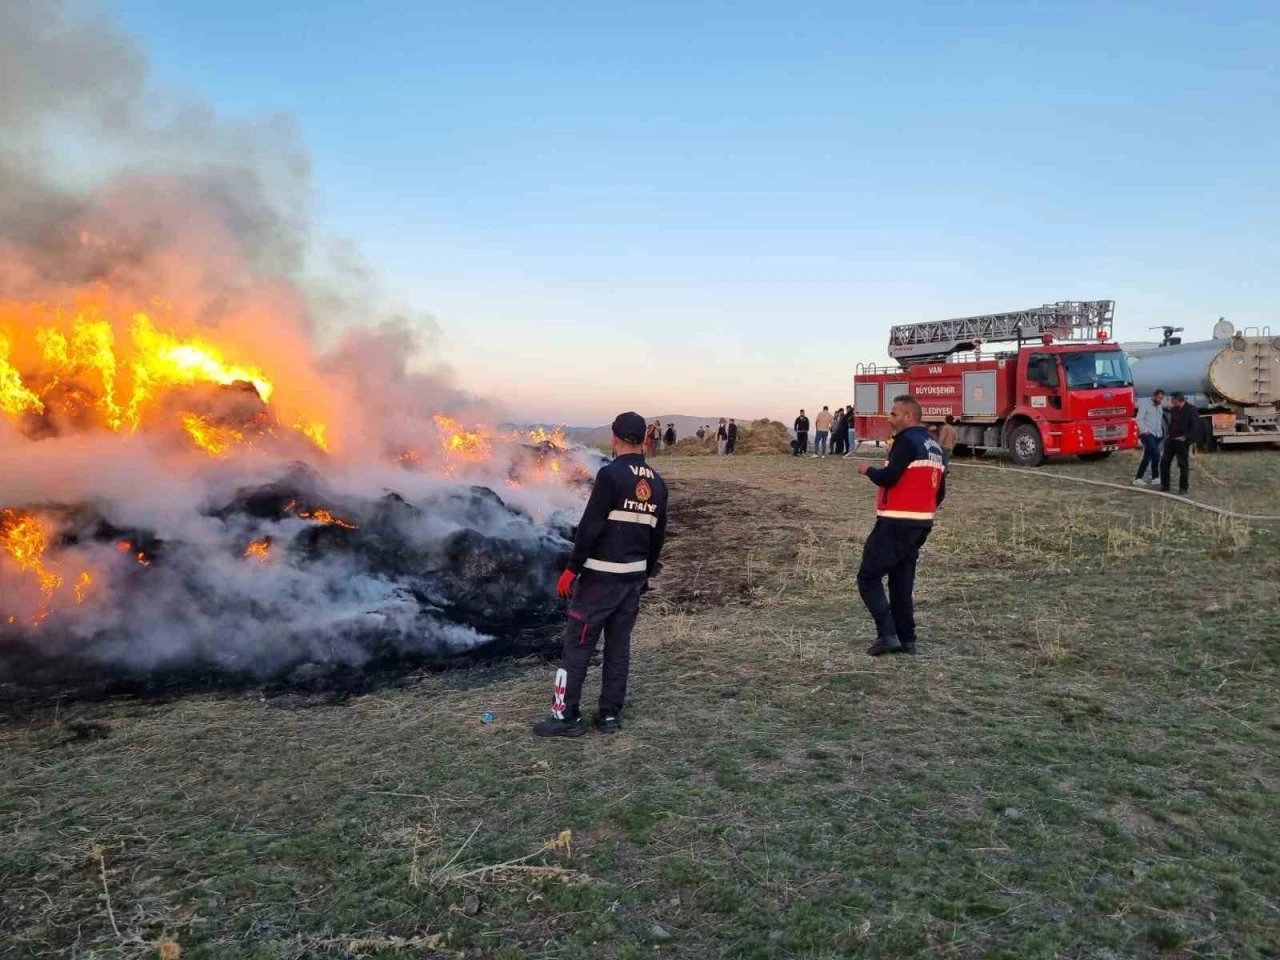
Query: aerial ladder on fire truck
[936, 340]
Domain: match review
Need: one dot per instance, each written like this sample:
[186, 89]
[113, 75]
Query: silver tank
[1240, 370]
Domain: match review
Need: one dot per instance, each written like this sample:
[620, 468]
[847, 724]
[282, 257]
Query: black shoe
[608, 724]
[1164, 489]
[906, 648]
[884, 645]
[552, 727]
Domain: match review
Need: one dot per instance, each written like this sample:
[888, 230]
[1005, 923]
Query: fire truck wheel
[1094, 457]
[1025, 446]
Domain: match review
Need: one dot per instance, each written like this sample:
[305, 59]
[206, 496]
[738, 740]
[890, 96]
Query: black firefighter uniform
[615, 553]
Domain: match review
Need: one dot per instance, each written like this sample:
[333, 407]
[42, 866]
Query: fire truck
[1064, 390]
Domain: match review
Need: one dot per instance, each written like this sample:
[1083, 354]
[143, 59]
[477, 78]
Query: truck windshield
[1103, 368]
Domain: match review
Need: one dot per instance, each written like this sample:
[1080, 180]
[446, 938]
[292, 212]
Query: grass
[1083, 762]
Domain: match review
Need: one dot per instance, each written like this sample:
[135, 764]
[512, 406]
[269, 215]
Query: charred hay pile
[290, 580]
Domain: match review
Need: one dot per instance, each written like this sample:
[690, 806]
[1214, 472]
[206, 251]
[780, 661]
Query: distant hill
[686, 426]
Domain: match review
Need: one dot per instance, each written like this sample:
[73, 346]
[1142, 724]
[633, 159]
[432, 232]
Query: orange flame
[315, 432]
[552, 438]
[25, 539]
[467, 445]
[258, 550]
[164, 359]
[83, 368]
[15, 398]
[209, 437]
[326, 518]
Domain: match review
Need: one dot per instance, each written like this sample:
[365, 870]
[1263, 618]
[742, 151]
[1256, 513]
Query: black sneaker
[552, 727]
[609, 724]
[884, 645]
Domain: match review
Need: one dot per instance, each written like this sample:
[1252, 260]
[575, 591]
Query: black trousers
[1181, 449]
[838, 443]
[891, 550]
[802, 444]
[602, 602]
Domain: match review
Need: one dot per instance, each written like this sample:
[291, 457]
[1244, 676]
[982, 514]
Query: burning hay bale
[287, 575]
[195, 481]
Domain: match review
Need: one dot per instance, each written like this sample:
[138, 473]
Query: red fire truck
[1065, 389]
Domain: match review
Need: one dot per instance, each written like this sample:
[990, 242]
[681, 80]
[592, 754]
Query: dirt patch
[722, 537]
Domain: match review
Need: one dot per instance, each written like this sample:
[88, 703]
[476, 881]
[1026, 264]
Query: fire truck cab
[1045, 398]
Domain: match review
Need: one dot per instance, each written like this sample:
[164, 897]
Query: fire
[212, 439]
[258, 550]
[551, 438]
[326, 518]
[124, 546]
[15, 399]
[315, 432]
[25, 539]
[88, 370]
[164, 359]
[469, 446]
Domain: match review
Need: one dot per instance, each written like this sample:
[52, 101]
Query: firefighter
[614, 554]
[912, 486]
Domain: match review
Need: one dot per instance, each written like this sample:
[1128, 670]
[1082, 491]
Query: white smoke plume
[177, 338]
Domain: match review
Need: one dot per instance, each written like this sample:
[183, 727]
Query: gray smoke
[152, 201]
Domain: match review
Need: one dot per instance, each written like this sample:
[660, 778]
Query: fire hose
[1220, 511]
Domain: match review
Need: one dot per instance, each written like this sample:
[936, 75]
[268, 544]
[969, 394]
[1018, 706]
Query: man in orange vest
[912, 486]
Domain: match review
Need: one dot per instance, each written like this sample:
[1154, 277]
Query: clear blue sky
[720, 208]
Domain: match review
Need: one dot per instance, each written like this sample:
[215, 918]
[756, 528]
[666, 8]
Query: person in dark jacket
[1179, 433]
[615, 553]
[837, 433]
[802, 435]
[731, 436]
[850, 439]
[669, 438]
[912, 486]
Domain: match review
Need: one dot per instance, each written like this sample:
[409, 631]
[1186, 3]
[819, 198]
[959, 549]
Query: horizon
[603, 208]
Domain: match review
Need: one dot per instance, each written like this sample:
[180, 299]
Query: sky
[720, 208]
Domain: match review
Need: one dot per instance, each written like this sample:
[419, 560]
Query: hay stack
[691, 447]
[763, 437]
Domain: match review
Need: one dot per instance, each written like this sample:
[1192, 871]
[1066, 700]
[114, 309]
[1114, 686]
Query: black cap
[629, 427]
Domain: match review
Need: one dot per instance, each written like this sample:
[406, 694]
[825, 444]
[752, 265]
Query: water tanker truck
[1232, 379]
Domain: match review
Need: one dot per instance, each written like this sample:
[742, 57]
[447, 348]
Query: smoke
[146, 486]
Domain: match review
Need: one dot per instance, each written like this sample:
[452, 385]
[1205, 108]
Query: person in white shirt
[1150, 432]
[823, 423]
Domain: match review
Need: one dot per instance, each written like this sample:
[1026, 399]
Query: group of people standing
[655, 439]
[619, 543]
[831, 430]
[726, 434]
[1166, 434]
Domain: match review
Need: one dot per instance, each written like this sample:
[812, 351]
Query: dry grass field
[1083, 762]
